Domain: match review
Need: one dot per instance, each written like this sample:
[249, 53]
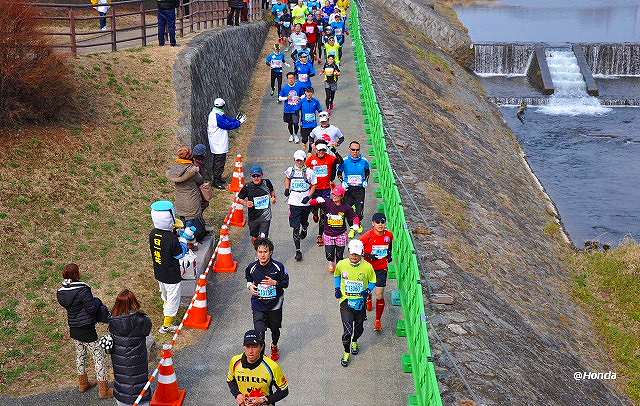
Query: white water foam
[570, 96]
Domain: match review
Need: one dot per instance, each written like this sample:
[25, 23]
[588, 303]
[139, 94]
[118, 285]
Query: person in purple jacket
[335, 226]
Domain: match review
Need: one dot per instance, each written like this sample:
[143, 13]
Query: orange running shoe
[369, 304]
[377, 326]
[275, 353]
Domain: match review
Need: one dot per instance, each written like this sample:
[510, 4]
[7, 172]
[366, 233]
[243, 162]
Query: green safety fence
[418, 361]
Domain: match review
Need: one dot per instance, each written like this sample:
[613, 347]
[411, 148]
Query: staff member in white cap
[354, 279]
[299, 184]
[218, 126]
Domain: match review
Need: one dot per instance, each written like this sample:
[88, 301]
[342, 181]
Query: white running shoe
[296, 139]
[291, 138]
[166, 330]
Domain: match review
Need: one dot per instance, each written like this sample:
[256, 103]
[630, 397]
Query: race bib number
[380, 251]
[309, 117]
[276, 63]
[321, 170]
[266, 291]
[335, 220]
[261, 202]
[299, 185]
[300, 41]
[309, 30]
[328, 71]
[354, 180]
[338, 31]
[286, 24]
[353, 287]
[293, 98]
[303, 77]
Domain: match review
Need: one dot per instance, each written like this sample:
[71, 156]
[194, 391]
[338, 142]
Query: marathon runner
[252, 377]
[324, 165]
[278, 10]
[326, 131]
[313, 5]
[377, 251]
[353, 281]
[309, 106]
[310, 28]
[299, 185]
[354, 173]
[266, 280]
[299, 13]
[333, 48]
[297, 41]
[340, 30]
[286, 22]
[334, 235]
[258, 196]
[304, 69]
[331, 72]
[290, 94]
[276, 60]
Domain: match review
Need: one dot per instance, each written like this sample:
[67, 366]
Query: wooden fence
[76, 26]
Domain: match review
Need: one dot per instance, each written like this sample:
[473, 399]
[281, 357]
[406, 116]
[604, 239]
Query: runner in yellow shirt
[354, 280]
[252, 377]
[333, 48]
[299, 12]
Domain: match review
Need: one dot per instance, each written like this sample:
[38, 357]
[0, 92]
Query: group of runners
[320, 183]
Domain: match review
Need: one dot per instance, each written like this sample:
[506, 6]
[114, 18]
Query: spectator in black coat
[83, 312]
[129, 328]
[235, 8]
[167, 18]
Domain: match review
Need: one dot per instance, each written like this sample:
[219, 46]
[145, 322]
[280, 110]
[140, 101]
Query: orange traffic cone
[198, 314]
[237, 217]
[224, 234]
[224, 259]
[167, 392]
[238, 175]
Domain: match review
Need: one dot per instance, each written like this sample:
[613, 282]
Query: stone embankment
[486, 234]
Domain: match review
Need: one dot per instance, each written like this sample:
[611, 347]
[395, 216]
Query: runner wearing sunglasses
[354, 173]
[258, 196]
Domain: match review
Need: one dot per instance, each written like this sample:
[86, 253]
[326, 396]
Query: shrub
[35, 82]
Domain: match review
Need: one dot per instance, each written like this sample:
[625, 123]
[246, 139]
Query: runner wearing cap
[354, 173]
[299, 185]
[276, 60]
[332, 47]
[340, 30]
[258, 196]
[309, 106]
[290, 95]
[335, 214]
[353, 281]
[304, 69]
[324, 165]
[377, 251]
[331, 72]
[326, 131]
[266, 280]
[252, 377]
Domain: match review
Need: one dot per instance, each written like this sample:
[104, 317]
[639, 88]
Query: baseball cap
[321, 146]
[252, 337]
[256, 170]
[299, 155]
[199, 150]
[309, 89]
[218, 102]
[323, 116]
[379, 218]
[356, 247]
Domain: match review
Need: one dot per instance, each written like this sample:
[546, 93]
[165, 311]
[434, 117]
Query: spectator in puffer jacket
[83, 312]
[129, 328]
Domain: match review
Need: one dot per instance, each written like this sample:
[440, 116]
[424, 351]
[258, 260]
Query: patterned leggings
[98, 357]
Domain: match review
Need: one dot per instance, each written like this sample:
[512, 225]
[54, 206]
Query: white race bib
[309, 117]
[266, 291]
[338, 31]
[286, 24]
[293, 98]
[299, 185]
[321, 170]
[353, 287]
[276, 63]
[303, 77]
[379, 251]
[261, 202]
[328, 71]
[354, 180]
[310, 30]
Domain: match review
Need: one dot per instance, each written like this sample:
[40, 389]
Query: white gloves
[355, 227]
[242, 118]
[320, 199]
[364, 183]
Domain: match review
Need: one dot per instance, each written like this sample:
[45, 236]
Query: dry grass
[81, 193]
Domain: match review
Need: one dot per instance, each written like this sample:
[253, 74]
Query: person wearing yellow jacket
[299, 13]
[343, 5]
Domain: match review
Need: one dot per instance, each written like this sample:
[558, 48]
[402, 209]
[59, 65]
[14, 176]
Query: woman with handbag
[129, 328]
[83, 312]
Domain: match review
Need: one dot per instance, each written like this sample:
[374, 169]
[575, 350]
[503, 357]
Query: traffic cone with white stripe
[237, 216]
[167, 391]
[224, 259]
[199, 314]
[224, 234]
[238, 175]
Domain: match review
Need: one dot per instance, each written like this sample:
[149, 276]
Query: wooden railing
[75, 26]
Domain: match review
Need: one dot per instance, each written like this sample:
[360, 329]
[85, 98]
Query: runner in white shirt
[326, 131]
[299, 184]
[297, 41]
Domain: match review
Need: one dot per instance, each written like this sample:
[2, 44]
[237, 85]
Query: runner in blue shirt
[275, 61]
[354, 172]
[304, 69]
[339, 29]
[290, 95]
[309, 106]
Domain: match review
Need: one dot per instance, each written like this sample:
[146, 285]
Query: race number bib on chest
[261, 202]
[338, 31]
[309, 117]
[286, 24]
[352, 287]
[321, 170]
[335, 220]
[299, 185]
[310, 30]
[266, 291]
[303, 77]
[293, 98]
[379, 251]
[276, 63]
[328, 71]
[354, 180]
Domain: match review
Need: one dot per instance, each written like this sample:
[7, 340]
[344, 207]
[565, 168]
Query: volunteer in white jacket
[218, 126]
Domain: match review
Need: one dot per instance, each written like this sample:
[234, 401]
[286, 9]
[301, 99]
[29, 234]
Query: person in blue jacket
[290, 95]
[328, 9]
[313, 5]
[304, 69]
[309, 107]
[275, 60]
[354, 173]
[339, 29]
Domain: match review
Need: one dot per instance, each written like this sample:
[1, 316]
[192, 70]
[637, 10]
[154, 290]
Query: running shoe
[369, 304]
[319, 241]
[167, 329]
[275, 353]
[303, 233]
[271, 92]
[377, 326]
[291, 138]
[355, 348]
[296, 139]
[298, 255]
[346, 357]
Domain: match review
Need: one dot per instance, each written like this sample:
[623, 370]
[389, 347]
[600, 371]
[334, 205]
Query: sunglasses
[355, 150]
[381, 222]
[256, 175]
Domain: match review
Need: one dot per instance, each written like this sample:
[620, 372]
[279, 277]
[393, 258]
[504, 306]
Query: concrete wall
[214, 64]
[538, 72]
[585, 70]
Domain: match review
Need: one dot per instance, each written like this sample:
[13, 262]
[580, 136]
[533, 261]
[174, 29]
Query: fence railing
[418, 361]
[76, 26]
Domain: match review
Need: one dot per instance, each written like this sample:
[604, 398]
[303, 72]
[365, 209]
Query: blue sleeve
[185, 251]
[337, 280]
[227, 123]
[284, 91]
[269, 57]
[372, 286]
[318, 106]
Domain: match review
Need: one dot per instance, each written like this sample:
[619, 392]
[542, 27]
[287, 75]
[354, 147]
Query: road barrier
[418, 361]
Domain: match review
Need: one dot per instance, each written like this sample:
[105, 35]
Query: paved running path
[310, 344]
